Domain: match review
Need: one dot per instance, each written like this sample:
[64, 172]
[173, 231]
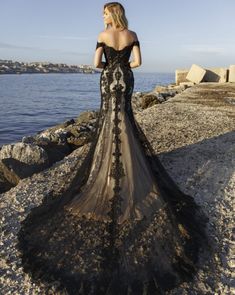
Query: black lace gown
[124, 227]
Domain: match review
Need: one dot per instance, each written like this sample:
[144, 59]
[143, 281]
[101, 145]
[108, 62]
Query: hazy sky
[173, 34]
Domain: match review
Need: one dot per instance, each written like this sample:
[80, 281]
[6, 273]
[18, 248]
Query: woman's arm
[101, 65]
[137, 55]
[98, 63]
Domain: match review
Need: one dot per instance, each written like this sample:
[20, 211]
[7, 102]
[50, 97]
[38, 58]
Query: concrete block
[223, 75]
[211, 76]
[180, 76]
[231, 77]
[196, 74]
[219, 75]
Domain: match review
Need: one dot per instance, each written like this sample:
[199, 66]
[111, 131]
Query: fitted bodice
[113, 56]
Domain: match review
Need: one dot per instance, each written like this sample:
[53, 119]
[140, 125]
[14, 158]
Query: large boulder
[26, 153]
[5, 185]
[20, 160]
[70, 134]
[149, 100]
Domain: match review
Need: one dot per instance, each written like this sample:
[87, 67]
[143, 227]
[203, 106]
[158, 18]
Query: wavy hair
[117, 13]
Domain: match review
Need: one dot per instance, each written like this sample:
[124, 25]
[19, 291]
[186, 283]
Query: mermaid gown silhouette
[123, 227]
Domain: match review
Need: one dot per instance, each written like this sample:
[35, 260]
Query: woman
[116, 33]
[124, 227]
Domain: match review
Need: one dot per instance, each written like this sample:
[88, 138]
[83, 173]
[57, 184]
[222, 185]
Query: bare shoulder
[104, 35]
[101, 36]
[133, 35]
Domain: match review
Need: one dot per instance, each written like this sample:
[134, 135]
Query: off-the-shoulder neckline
[119, 49]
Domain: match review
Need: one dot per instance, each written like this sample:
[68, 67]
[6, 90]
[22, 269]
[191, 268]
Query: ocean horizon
[31, 103]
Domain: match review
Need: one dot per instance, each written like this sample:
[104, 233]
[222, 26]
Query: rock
[69, 122]
[15, 206]
[55, 152]
[136, 100]
[219, 75]
[38, 152]
[86, 116]
[159, 95]
[25, 153]
[196, 74]
[21, 160]
[61, 139]
[231, 73]
[80, 140]
[211, 76]
[187, 84]
[61, 132]
[28, 139]
[180, 76]
[56, 136]
[149, 100]
[172, 88]
[5, 185]
[223, 75]
[161, 88]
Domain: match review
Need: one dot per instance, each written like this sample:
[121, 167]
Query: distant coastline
[15, 67]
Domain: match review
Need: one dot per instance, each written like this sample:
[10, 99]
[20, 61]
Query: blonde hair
[117, 13]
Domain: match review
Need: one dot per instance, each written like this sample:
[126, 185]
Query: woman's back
[118, 39]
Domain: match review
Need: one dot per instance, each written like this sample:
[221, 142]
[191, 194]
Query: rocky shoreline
[36, 153]
[192, 132]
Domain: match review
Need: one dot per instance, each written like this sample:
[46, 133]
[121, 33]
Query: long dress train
[123, 227]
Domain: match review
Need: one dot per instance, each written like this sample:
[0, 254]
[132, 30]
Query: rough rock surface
[36, 153]
[20, 160]
[15, 206]
[193, 135]
[158, 95]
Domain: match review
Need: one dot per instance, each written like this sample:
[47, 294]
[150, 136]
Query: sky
[172, 34]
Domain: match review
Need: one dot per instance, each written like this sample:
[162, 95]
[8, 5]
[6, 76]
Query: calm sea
[33, 102]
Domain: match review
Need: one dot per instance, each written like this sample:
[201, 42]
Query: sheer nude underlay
[138, 190]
